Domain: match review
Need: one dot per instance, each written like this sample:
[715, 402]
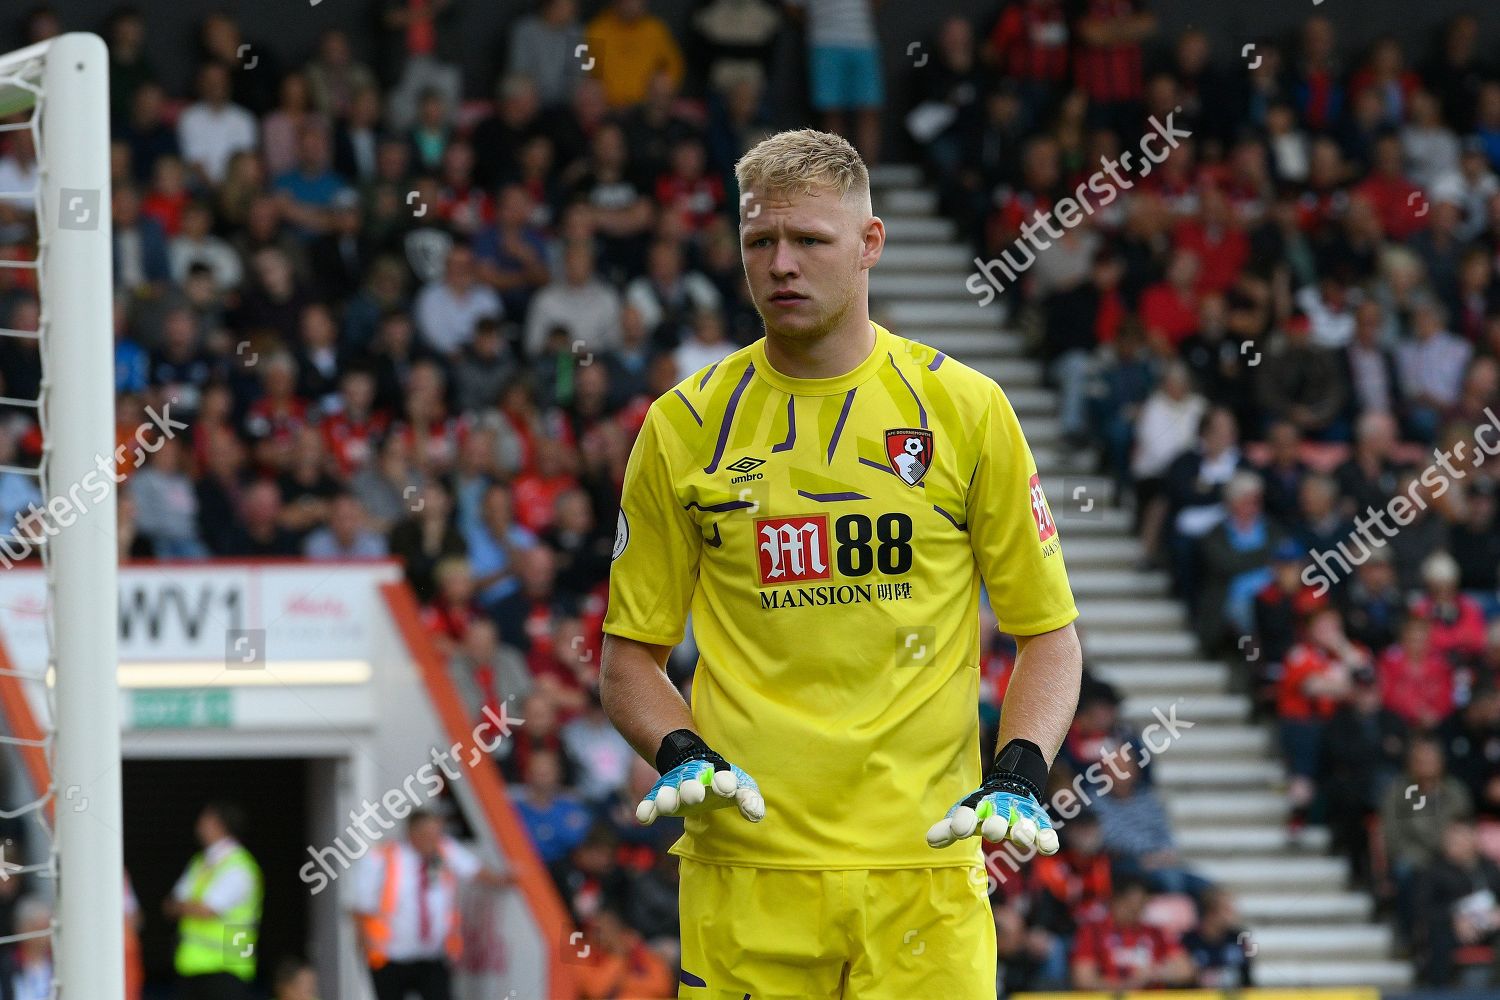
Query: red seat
[1474, 954]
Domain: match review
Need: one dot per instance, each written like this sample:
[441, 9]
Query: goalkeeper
[827, 503]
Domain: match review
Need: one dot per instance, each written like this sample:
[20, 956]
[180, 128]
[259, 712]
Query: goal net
[57, 399]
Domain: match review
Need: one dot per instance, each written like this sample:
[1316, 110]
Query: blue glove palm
[998, 810]
[697, 785]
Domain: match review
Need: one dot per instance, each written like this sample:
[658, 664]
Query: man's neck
[836, 353]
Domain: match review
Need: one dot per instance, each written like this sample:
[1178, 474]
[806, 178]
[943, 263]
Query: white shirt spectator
[696, 354]
[166, 508]
[1429, 152]
[183, 252]
[839, 22]
[590, 313]
[1330, 327]
[446, 318]
[209, 136]
[323, 544]
[1198, 520]
[601, 753]
[696, 288]
[406, 943]
[1434, 367]
[544, 53]
[1472, 194]
[1166, 428]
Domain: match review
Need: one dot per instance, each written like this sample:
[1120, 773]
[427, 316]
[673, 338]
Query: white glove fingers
[751, 805]
[667, 800]
[994, 829]
[692, 791]
[1024, 832]
[645, 812]
[963, 820]
[940, 834]
[726, 783]
[1046, 841]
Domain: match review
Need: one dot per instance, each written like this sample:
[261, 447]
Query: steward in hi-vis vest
[217, 906]
[407, 909]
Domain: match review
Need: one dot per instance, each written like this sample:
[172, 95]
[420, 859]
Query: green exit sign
[181, 708]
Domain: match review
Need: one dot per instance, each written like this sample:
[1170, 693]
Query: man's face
[805, 258]
[426, 836]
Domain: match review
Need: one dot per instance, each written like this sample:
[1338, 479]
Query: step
[936, 257]
[914, 284]
[1198, 841]
[1149, 676]
[1306, 875]
[1028, 400]
[1303, 942]
[1083, 495]
[1008, 371]
[909, 201]
[961, 343]
[1387, 974]
[905, 229]
[1115, 582]
[922, 313]
[1042, 430]
[1109, 643]
[1127, 613]
[1194, 708]
[1180, 772]
[1248, 807]
[1210, 742]
[1260, 909]
[1111, 551]
[1098, 520]
[1005, 369]
[896, 175]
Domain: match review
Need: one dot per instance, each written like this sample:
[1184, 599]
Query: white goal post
[64, 85]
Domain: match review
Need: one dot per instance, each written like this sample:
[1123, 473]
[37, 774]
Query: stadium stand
[405, 320]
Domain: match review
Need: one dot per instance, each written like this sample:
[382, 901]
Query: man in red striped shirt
[1107, 64]
[1029, 45]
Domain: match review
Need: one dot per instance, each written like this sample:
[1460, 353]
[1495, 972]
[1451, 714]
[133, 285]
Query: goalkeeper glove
[694, 779]
[1006, 807]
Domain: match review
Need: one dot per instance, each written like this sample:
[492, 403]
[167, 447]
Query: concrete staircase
[1221, 779]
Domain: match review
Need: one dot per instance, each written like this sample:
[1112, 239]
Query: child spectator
[1120, 952]
[1316, 677]
[1219, 948]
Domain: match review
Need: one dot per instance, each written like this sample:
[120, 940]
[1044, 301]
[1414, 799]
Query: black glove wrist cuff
[1021, 763]
[682, 745]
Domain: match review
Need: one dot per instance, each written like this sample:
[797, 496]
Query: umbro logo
[746, 467]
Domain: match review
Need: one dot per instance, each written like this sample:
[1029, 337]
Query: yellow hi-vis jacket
[226, 943]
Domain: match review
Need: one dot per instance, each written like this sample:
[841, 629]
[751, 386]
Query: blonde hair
[800, 161]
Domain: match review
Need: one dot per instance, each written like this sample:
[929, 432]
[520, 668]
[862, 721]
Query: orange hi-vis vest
[377, 927]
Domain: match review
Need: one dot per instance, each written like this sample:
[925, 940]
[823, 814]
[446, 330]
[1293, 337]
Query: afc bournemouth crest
[910, 452]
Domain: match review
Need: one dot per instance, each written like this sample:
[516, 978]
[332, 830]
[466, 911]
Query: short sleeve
[369, 875]
[1012, 532]
[464, 863]
[657, 544]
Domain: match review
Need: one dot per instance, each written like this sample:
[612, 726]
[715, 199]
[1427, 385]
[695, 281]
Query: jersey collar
[823, 386]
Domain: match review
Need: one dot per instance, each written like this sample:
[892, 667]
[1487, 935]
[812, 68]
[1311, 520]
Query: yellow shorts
[882, 934]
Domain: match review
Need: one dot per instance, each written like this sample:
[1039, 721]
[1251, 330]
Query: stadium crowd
[1280, 337]
[402, 320]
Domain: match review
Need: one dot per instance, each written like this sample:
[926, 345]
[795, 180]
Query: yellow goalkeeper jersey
[828, 537]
